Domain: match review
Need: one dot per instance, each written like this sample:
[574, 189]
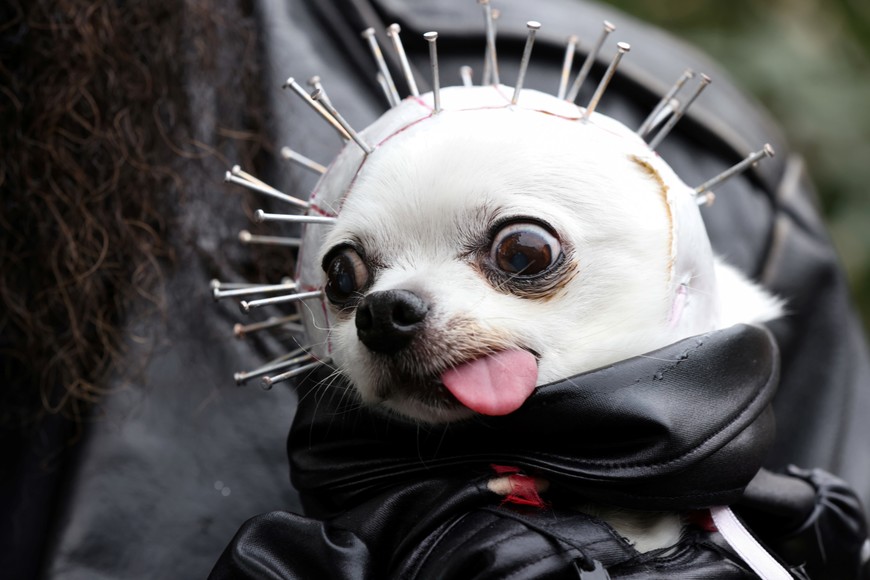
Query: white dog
[489, 248]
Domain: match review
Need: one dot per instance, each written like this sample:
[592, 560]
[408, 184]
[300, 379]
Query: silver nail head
[533, 27]
[768, 150]
[243, 304]
[621, 49]
[394, 29]
[586, 67]
[431, 37]
[319, 96]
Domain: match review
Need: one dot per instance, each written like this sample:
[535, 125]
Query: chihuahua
[482, 248]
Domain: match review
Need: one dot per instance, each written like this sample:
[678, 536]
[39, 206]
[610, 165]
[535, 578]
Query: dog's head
[489, 248]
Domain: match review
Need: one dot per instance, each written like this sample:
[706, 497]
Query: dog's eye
[346, 275]
[524, 249]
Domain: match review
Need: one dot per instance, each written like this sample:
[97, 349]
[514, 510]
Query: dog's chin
[418, 399]
[430, 410]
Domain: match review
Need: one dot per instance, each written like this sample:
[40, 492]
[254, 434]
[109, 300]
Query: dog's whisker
[319, 387]
[332, 392]
[441, 439]
[319, 399]
[323, 384]
[347, 409]
[313, 320]
[587, 64]
[347, 393]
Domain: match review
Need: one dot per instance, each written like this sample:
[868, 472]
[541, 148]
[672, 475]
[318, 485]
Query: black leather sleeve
[811, 519]
[468, 535]
[286, 545]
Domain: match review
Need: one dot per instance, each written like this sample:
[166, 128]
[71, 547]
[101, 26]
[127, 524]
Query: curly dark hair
[96, 130]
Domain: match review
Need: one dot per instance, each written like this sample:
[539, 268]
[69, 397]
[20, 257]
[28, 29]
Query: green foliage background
[808, 61]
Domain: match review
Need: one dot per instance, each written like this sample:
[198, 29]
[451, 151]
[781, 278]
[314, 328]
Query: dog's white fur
[638, 271]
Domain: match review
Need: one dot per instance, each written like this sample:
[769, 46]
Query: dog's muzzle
[388, 321]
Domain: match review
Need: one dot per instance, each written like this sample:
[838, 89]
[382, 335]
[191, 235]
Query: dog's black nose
[387, 321]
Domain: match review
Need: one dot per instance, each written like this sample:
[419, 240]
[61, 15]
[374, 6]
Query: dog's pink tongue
[497, 384]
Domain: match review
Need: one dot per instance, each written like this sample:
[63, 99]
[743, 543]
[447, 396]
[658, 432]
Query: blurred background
[808, 61]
